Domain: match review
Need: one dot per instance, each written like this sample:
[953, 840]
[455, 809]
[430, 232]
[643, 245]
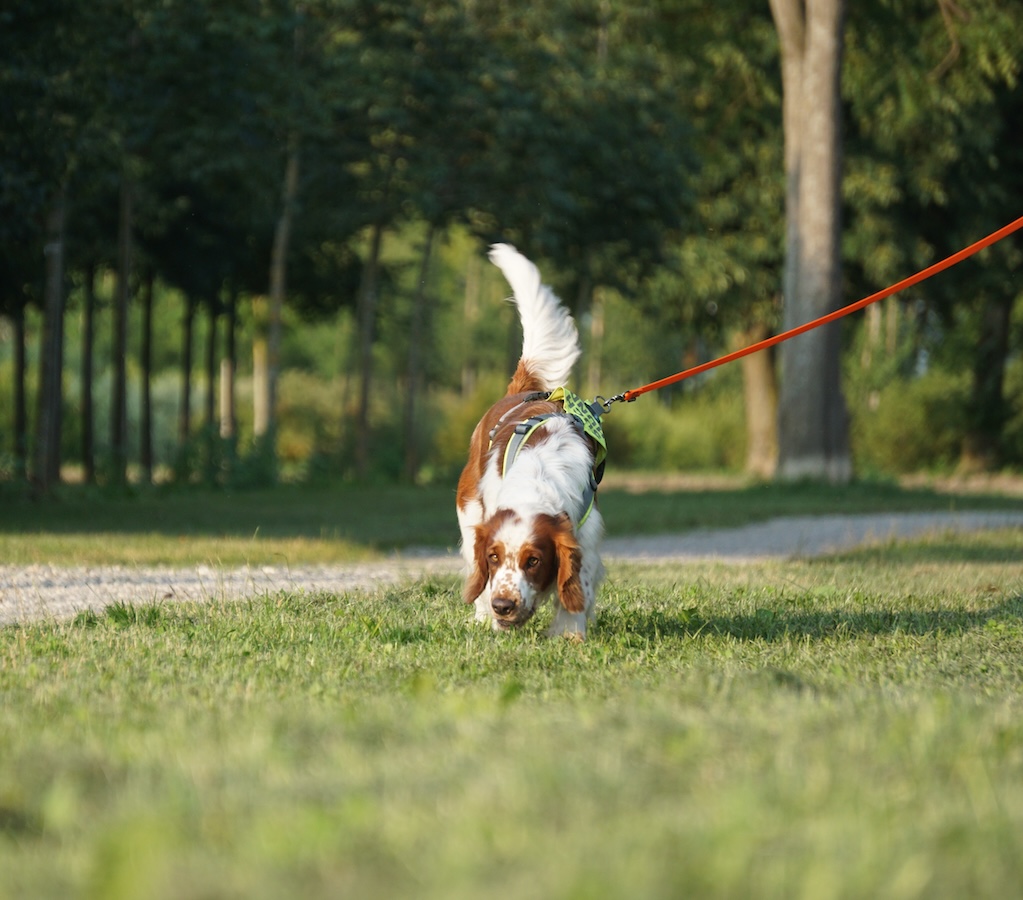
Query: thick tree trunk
[367, 326]
[51, 356]
[119, 399]
[813, 433]
[417, 336]
[88, 344]
[760, 395]
[988, 411]
[146, 400]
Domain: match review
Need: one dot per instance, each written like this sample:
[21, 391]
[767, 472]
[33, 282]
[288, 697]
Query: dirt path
[44, 591]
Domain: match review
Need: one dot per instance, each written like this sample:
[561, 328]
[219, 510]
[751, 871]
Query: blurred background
[245, 242]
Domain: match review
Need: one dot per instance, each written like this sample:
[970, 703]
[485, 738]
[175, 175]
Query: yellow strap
[576, 406]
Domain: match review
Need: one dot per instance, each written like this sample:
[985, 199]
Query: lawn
[316, 524]
[849, 727]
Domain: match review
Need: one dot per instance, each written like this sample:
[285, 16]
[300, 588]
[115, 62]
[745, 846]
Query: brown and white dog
[529, 526]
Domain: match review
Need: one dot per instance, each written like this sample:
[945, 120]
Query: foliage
[847, 728]
[633, 148]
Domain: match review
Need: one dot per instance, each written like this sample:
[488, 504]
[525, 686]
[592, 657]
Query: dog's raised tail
[550, 341]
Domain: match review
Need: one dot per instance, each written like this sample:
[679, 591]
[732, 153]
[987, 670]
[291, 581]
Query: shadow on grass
[769, 625]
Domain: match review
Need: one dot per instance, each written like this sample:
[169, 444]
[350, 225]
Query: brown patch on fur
[558, 530]
[482, 549]
[480, 448]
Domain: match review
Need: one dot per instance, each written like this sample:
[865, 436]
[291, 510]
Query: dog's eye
[532, 562]
[493, 557]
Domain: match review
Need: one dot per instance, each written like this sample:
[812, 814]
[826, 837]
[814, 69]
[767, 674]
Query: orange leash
[923, 275]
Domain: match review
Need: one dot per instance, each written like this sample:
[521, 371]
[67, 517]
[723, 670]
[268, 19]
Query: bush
[911, 424]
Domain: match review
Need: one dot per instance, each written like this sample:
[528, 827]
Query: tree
[813, 437]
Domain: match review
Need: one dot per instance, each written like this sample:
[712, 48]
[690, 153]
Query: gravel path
[45, 591]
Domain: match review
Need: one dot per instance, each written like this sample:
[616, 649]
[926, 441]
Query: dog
[526, 506]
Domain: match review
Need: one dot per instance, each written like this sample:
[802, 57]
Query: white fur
[548, 477]
[550, 342]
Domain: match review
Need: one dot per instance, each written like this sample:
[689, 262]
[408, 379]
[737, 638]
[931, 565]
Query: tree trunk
[367, 323]
[271, 353]
[813, 433]
[119, 400]
[988, 412]
[20, 402]
[417, 336]
[185, 407]
[594, 371]
[146, 362]
[760, 395]
[470, 313]
[209, 414]
[228, 366]
[88, 343]
[51, 356]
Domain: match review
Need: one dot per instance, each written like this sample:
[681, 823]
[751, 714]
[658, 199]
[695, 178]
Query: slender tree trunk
[470, 312]
[988, 412]
[88, 343]
[119, 401]
[270, 354]
[367, 325]
[51, 356]
[812, 423]
[594, 371]
[20, 402]
[185, 407]
[228, 366]
[417, 336]
[146, 362]
[209, 417]
[760, 395]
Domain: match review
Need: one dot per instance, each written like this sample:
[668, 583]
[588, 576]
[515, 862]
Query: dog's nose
[502, 606]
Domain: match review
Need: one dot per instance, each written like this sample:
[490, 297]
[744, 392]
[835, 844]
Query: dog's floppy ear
[570, 557]
[477, 579]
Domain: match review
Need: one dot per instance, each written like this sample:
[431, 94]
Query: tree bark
[270, 356]
[209, 417]
[146, 362]
[51, 356]
[417, 335]
[813, 436]
[88, 344]
[185, 407]
[228, 366]
[760, 396]
[367, 324]
[20, 402]
[119, 400]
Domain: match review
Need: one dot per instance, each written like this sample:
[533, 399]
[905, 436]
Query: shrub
[911, 424]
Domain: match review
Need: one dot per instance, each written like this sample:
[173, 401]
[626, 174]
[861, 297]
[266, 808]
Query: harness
[586, 419]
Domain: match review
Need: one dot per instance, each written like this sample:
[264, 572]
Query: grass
[303, 524]
[850, 727]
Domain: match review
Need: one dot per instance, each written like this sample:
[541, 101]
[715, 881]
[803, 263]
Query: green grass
[849, 727]
[303, 524]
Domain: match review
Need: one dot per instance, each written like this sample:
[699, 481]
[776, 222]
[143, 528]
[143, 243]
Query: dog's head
[522, 559]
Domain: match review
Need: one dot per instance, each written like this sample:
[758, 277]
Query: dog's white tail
[550, 341]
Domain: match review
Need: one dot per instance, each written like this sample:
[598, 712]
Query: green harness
[585, 416]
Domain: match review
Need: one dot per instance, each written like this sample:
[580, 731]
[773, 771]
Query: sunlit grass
[844, 727]
[304, 524]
